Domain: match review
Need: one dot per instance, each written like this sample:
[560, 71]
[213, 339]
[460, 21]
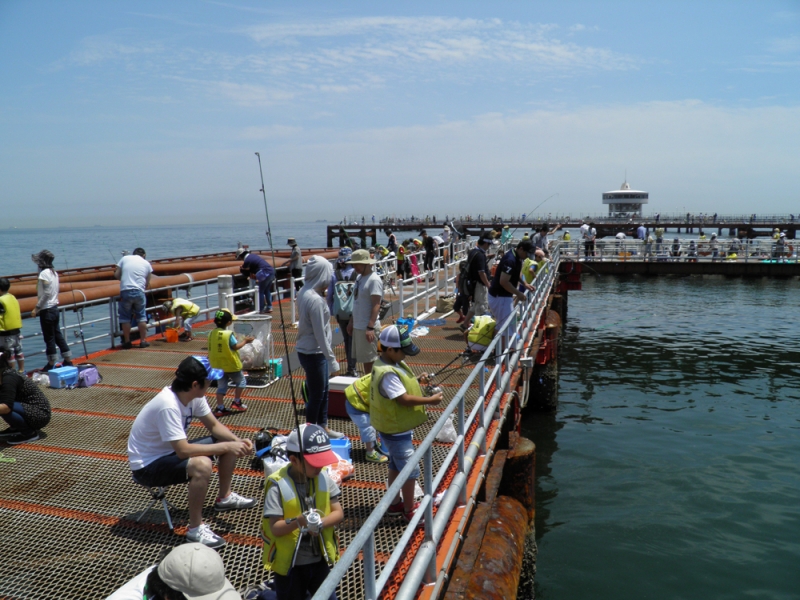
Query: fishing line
[280, 311]
[534, 210]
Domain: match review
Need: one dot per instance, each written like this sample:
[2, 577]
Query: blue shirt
[253, 263]
[511, 265]
[641, 232]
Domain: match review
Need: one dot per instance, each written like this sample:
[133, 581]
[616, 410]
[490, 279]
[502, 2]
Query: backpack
[344, 296]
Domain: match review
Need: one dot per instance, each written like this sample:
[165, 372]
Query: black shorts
[167, 470]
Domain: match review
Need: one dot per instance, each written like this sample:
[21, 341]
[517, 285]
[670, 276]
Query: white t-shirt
[162, 420]
[47, 289]
[366, 287]
[135, 270]
[584, 230]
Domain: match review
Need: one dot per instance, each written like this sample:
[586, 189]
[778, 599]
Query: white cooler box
[336, 398]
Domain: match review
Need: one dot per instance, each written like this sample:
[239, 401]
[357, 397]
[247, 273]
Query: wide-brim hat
[291, 242]
[198, 572]
[361, 257]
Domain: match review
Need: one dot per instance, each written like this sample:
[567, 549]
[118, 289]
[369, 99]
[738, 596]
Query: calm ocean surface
[670, 469]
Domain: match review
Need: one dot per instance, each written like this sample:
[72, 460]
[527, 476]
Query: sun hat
[316, 445]
[198, 572]
[361, 257]
[291, 242]
[195, 368]
[396, 336]
[241, 253]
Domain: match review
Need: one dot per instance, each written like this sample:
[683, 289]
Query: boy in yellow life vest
[301, 510]
[11, 327]
[396, 407]
[223, 353]
[185, 313]
[357, 407]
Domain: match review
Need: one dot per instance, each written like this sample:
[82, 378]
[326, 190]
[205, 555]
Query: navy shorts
[167, 470]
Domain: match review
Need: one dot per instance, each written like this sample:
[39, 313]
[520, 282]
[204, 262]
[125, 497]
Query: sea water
[670, 468]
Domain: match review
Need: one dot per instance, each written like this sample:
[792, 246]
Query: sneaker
[334, 435]
[67, 363]
[396, 509]
[205, 536]
[351, 374]
[144, 344]
[126, 346]
[238, 407]
[410, 514]
[22, 438]
[221, 411]
[234, 502]
[376, 457]
[7, 432]
[22, 372]
[380, 449]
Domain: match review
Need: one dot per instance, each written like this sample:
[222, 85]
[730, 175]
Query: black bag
[465, 286]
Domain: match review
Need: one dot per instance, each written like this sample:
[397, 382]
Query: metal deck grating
[68, 505]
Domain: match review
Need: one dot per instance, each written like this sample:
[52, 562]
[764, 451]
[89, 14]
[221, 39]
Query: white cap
[197, 571]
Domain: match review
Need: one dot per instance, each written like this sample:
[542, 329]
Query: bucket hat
[361, 257]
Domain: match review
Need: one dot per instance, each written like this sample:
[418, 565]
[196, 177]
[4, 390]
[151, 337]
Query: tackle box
[63, 377]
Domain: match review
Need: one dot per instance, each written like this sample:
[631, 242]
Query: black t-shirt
[429, 244]
[511, 265]
[477, 263]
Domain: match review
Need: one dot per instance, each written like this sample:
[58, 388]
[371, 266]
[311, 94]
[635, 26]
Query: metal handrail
[423, 568]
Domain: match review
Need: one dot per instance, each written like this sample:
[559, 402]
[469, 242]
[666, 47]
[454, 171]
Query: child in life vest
[357, 407]
[223, 353]
[301, 510]
[397, 406]
[185, 313]
[11, 327]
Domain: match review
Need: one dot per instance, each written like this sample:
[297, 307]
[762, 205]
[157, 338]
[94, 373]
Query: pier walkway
[69, 508]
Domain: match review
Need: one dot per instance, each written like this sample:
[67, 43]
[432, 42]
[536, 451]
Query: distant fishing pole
[280, 311]
[78, 311]
[535, 208]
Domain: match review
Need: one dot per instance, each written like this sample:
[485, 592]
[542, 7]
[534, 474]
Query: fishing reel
[432, 390]
[314, 520]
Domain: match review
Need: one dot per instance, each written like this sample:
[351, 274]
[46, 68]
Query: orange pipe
[24, 290]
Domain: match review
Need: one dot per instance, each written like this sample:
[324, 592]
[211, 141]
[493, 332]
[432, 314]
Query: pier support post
[225, 287]
[543, 388]
[519, 476]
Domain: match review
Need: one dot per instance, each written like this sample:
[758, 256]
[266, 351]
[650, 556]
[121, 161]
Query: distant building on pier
[625, 202]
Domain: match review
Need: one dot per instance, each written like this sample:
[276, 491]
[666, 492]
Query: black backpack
[465, 286]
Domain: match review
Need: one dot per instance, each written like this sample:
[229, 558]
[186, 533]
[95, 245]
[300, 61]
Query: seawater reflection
[670, 469]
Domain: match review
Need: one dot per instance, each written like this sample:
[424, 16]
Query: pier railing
[682, 250]
[465, 453]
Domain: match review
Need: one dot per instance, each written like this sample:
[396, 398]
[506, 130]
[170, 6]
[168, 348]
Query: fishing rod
[280, 311]
[535, 208]
[78, 311]
[466, 354]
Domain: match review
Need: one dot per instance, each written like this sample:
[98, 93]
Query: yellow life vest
[357, 393]
[567, 236]
[387, 416]
[190, 309]
[220, 353]
[526, 272]
[482, 330]
[278, 552]
[11, 318]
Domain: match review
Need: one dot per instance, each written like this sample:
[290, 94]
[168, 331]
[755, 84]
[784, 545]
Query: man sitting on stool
[159, 453]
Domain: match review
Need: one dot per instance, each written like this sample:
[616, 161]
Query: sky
[152, 112]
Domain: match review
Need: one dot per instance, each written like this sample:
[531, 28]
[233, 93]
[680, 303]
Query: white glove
[333, 366]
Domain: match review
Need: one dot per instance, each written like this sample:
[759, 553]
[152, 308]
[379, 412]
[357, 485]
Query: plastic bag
[340, 471]
[448, 433]
[41, 378]
[252, 355]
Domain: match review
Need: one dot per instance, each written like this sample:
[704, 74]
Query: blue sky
[136, 112]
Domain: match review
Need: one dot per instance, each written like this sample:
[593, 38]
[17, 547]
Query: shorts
[12, 344]
[237, 378]
[400, 448]
[167, 470]
[363, 351]
[502, 307]
[480, 302]
[131, 307]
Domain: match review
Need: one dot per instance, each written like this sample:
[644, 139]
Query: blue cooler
[342, 448]
[63, 377]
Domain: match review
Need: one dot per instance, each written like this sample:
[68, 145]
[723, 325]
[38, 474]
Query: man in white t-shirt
[133, 272]
[159, 453]
[366, 306]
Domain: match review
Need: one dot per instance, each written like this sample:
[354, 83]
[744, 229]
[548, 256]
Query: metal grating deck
[68, 505]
